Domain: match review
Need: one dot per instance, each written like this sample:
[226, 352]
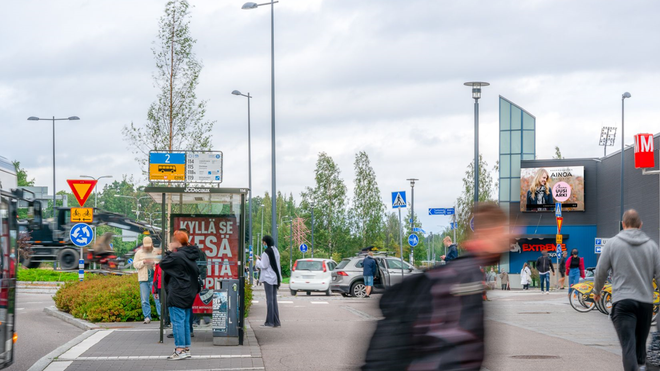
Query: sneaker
[147, 321]
[176, 356]
[187, 350]
[171, 336]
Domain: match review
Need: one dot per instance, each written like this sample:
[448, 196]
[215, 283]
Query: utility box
[225, 319]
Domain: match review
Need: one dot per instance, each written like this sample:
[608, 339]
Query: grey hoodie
[634, 260]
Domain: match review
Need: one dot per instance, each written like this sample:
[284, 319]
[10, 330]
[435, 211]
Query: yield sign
[560, 220]
[81, 189]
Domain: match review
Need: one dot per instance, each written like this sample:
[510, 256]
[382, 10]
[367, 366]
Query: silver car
[347, 277]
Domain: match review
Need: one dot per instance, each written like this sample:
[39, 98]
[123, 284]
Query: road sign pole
[401, 241]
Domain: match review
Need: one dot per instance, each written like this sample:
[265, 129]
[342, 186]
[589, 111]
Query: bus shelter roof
[196, 195]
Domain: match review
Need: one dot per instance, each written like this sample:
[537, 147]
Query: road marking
[20, 308]
[285, 302]
[255, 301]
[84, 346]
[359, 313]
[58, 366]
[319, 302]
[138, 358]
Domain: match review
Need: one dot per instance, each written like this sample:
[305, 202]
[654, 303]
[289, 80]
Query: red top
[568, 266]
[156, 282]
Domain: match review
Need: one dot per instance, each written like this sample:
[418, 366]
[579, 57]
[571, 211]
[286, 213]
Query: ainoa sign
[217, 237]
[644, 151]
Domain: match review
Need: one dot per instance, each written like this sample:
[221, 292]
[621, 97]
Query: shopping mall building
[589, 187]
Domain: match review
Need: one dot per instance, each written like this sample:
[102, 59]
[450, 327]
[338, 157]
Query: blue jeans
[145, 292]
[545, 281]
[180, 319]
[573, 278]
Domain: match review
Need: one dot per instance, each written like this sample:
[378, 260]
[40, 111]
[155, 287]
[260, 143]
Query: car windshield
[309, 265]
[343, 263]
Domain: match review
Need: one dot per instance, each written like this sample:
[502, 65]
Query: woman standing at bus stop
[271, 276]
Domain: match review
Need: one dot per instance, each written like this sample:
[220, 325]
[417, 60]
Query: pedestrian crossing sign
[398, 199]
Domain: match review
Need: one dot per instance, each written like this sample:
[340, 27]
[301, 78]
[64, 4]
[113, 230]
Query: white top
[268, 275]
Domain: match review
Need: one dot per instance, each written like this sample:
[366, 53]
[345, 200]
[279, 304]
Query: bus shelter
[214, 220]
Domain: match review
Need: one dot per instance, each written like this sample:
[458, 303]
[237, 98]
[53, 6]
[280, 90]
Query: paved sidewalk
[134, 346]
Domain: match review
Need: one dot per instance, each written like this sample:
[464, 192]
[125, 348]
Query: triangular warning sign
[560, 220]
[398, 201]
[81, 189]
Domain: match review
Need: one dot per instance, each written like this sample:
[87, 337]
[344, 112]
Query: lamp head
[249, 6]
[74, 118]
[236, 92]
[33, 118]
[626, 95]
[476, 88]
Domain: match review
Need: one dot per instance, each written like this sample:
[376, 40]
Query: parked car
[347, 277]
[311, 275]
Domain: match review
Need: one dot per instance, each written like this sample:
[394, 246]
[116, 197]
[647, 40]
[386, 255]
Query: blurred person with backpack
[182, 284]
[435, 320]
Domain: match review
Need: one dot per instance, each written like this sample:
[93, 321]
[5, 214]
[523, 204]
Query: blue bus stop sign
[413, 240]
[303, 248]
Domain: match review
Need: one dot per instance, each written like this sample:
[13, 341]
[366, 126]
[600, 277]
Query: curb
[66, 317]
[46, 360]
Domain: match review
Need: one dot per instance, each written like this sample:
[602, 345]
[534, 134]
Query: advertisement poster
[219, 319]
[218, 238]
[541, 188]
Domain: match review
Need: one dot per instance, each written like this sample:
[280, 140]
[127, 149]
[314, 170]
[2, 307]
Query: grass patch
[47, 275]
[286, 280]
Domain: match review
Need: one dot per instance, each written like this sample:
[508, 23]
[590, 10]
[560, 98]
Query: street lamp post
[70, 118]
[251, 5]
[248, 96]
[412, 213]
[623, 140]
[476, 94]
[96, 190]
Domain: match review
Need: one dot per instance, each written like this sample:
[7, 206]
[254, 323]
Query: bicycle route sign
[81, 234]
[303, 248]
[413, 240]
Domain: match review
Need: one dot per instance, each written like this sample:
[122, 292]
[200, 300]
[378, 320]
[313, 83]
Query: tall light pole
[248, 96]
[70, 118]
[476, 94]
[96, 189]
[272, 107]
[623, 140]
[412, 212]
[312, 206]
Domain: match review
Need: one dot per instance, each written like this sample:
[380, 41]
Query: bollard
[81, 269]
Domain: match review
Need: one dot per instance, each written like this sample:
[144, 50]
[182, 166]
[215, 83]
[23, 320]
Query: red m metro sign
[644, 151]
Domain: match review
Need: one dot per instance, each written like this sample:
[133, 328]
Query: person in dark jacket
[441, 327]
[369, 268]
[452, 250]
[544, 266]
[182, 287]
[562, 270]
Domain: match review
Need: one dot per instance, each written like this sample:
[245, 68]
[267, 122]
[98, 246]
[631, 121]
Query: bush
[103, 299]
[248, 297]
[46, 275]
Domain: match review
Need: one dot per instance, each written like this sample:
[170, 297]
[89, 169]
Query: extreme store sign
[217, 237]
[550, 247]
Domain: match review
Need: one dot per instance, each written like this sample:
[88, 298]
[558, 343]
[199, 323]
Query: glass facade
[517, 142]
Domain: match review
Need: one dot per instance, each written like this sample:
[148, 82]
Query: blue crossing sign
[413, 240]
[399, 200]
[558, 209]
[441, 211]
[81, 234]
[303, 248]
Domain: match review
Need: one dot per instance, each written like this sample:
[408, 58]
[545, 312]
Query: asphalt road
[524, 331]
[38, 334]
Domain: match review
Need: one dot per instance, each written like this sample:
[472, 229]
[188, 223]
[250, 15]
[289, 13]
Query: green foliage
[465, 203]
[103, 299]
[248, 297]
[367, 209]
[175, 121]
[22, 176]
[557, 153]
[47, 275]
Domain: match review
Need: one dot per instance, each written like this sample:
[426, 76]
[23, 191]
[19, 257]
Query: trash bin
[226, 313]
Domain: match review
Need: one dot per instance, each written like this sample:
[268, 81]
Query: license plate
[308, 277]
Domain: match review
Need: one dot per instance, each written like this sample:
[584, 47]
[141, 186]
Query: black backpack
[391, 346]
[201, 266]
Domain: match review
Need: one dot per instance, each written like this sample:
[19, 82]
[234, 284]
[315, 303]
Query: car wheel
[327, 292]
[294, 292]
[309, 293]
[358, 290]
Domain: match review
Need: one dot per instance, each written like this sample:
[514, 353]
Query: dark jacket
[562, 265]
[452, 252]
[544, 264]
[181, 274]
[547, 199]
[369, 267]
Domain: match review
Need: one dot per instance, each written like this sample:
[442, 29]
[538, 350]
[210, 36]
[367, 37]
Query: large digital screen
[542, 188]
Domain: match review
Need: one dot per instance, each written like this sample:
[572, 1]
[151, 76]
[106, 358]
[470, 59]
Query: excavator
[47, 240]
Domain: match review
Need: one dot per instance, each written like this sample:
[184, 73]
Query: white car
[311, 275]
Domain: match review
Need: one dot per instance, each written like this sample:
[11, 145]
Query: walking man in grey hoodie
[634, 260]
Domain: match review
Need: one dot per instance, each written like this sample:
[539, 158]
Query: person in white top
[271, 277]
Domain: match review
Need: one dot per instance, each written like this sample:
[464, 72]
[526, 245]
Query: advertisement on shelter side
[217, 237]
[542, 188]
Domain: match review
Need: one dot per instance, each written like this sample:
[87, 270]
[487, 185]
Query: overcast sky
[381, 76]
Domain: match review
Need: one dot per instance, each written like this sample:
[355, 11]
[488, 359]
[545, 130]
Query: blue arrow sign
[398, 199]
[441, 211]
[453, 225]
[81, 234]
[303, 248]
[413, 240]
[419, 230]
[130, 261]
[558, 250]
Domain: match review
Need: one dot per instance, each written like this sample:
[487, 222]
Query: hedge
[110, 299]
[46, 275]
